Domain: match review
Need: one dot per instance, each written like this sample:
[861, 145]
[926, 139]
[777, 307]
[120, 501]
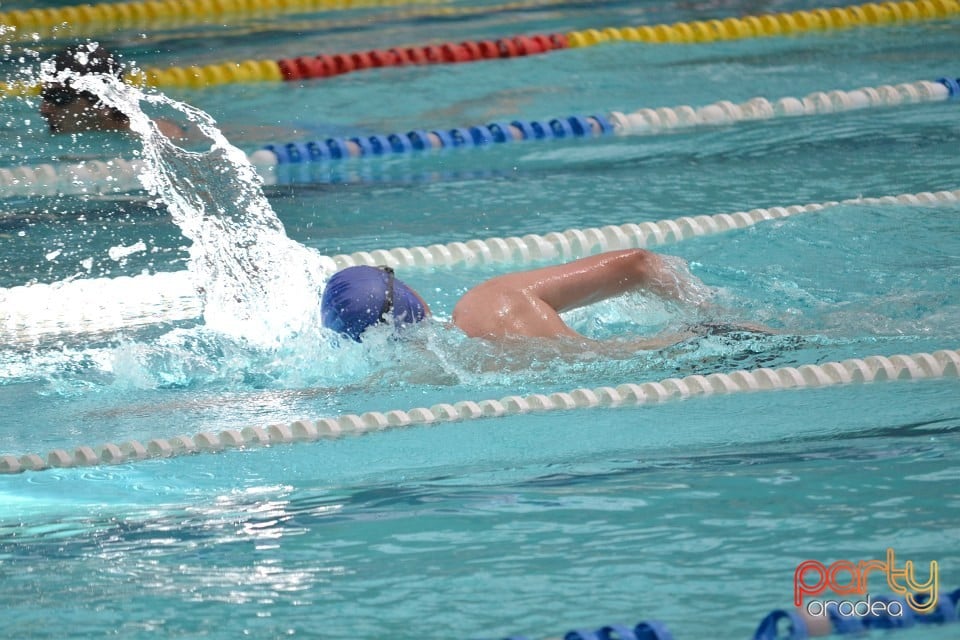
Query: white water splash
[120, 252]
[255, 283]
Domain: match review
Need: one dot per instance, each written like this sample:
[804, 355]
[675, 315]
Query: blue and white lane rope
[642, 121]
[940, 364]
[785, 624]
[94, 305]
[119, 175]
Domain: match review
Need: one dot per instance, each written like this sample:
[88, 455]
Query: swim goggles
[388, 295]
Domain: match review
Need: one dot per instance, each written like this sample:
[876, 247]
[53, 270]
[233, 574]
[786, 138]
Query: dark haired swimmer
[68, 110]
[525, 304]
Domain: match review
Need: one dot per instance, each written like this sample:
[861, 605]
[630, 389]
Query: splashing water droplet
[120, 252]
[255, 282]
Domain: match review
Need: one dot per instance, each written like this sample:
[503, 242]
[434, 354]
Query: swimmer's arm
[596, 278]
[624, 346]
[179, 132]
[529, 303]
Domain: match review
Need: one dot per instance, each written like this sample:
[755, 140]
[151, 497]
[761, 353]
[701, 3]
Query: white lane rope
[31, 312]
[939, 364]
[724, 112]
[89, 177]
[575, 243]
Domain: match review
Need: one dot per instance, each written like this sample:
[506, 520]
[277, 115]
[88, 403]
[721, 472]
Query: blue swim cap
[359, 297]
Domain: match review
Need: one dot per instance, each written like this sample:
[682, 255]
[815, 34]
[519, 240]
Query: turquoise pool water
[695, 513]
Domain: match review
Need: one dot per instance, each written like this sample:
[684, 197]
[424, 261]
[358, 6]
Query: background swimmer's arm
[177, 132]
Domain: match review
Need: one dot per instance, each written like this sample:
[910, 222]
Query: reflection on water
[686, 522]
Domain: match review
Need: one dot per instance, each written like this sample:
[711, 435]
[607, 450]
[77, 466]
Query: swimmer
[68, 110]
[525, 304]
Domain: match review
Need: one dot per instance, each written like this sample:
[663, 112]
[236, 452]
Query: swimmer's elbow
[646, 265]
[465, 319]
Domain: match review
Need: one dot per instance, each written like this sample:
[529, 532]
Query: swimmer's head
[68, 110]
[358, 298]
